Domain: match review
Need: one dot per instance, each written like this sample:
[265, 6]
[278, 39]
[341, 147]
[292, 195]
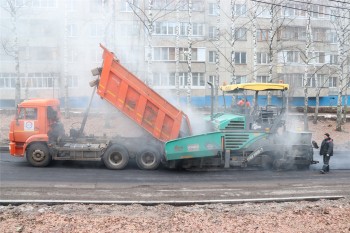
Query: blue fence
[203, 101]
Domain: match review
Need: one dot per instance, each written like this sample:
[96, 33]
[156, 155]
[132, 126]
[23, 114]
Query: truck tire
[38, 155]
[116, 157]
[148, 159]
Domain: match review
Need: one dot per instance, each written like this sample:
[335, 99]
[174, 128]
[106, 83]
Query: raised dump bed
[140, 102]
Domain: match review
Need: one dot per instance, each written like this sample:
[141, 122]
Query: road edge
[171, 202]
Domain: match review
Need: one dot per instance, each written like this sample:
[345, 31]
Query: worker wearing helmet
[242, 104]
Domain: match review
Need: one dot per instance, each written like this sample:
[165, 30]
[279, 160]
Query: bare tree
[65, 61]
[232, 43]
[11, 46]
[217, 55]
[342, 26]
[148, 19]
[272, 33]
[177, 53]
[149, 40]
[346, 95]
[305, 79]
[189, 56]
[319, 85]
[254, 31]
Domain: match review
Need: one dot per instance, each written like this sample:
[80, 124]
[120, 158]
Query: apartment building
[58, 45]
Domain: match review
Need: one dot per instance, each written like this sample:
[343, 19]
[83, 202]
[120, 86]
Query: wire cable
[290, 7]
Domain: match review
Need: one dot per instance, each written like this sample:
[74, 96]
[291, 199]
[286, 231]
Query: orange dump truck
[37, 133]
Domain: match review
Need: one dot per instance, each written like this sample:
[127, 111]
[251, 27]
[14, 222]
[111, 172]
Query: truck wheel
[38, 155]
[116, 157]
[148, 159]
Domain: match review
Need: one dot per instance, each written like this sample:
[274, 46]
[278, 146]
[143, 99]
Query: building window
[71, 6]
[95, 56]
[164, 4]
[333, 59]
[263, 11]
[293, 56]
[213, 9]
[197, 29]
[197, 79]
[128, 5]
[160, 54]
[311, 81]
[212, 32]
[332, 82]
[262, 35]
[7, 80]
[289, 56]
[212, 56]
[71, 56]
[240, 58]
[165, 28]
[211, 79]
[39, 80]
[97, 6]
[263, 58]
[319, 11]
[293, 79]
[241, 34]
[238, 79]
[168, 54]
[36, 3]
[128, 29]
[319, 58]
[197, 5]
[72, 30]
[322, 80]
[72, 81]
[332, 37]
[319, 34]
[318, 80]
[160, 79]
[294, 10]
[292, 33]
[96, 30]
[240, 10]
[262, 79]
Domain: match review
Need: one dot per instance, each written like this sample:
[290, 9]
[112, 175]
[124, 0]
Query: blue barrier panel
[201, 101]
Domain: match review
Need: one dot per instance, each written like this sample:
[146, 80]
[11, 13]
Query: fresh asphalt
[70, 181]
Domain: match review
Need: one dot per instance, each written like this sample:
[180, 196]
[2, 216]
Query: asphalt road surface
[81, 181]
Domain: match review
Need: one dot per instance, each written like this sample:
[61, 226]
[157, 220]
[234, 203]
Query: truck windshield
[28, 113]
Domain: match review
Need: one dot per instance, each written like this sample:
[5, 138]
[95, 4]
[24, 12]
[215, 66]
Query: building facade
[233, 42]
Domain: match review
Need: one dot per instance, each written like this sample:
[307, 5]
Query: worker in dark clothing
[326, 151]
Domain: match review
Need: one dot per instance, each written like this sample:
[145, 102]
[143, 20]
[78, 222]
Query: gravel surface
[320, 216]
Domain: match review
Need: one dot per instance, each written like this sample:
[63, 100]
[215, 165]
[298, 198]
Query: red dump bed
[139, 102]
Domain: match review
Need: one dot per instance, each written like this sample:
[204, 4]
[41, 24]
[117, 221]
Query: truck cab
[32, 123]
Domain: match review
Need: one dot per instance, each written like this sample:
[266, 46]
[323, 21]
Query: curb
[173, 202]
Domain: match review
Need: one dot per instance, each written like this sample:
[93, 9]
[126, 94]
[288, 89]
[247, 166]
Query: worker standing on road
[326, 151]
